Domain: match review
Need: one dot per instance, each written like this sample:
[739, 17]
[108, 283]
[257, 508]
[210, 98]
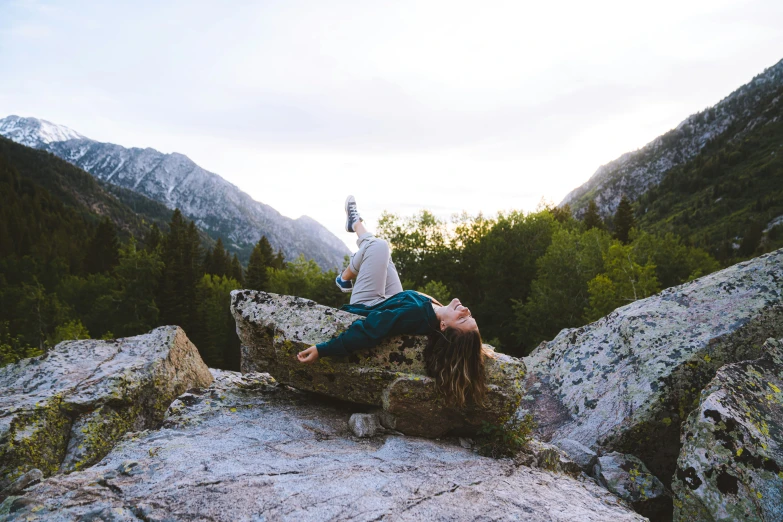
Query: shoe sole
[348, 227]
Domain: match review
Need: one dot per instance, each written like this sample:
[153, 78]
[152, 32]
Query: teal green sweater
[408, 312]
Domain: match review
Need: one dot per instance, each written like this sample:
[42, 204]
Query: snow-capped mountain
[35, 133]
[634, 172]
[217, 206]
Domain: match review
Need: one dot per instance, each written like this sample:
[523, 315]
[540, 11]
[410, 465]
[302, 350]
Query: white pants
[377, 278]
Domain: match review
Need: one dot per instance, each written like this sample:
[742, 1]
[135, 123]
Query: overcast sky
[445, 105]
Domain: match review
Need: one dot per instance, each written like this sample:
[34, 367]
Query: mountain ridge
[633, 173]
[216, 205]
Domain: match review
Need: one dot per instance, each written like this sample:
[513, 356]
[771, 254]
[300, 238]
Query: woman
[453, 357]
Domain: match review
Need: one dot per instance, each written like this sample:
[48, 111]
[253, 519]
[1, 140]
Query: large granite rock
[248, 449]
[629, 380]
[64, 410]
[273, 328]
[731, 463]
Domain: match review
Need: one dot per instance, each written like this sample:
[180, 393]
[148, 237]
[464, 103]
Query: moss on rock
[65, 410]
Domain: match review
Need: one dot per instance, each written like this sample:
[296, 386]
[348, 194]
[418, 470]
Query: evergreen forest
[80, 259]
[76, 262]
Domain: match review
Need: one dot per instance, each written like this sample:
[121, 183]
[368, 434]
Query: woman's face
[454, 315]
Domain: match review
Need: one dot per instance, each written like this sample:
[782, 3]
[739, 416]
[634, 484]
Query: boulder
[273, 328]
[731, 462]
[64, 410]
[628, 478]
[247, 448]
[629, 380]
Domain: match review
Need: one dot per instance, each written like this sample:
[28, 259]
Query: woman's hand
[308, 356]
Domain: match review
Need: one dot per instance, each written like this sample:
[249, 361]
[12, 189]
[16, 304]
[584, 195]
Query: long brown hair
[455, 359]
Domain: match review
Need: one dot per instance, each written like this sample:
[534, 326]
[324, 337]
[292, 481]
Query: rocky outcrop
[249, 449]
[628, 381]
[273, 328]
[731, 463]
[64, 410]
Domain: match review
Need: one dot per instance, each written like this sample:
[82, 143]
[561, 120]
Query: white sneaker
[351, 214]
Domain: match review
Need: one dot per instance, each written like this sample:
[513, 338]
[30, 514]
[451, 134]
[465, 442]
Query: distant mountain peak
[218, 207]
[34, 132]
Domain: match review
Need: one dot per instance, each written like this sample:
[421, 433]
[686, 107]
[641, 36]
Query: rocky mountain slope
[92, 199]
[216, 205]
[635, 172]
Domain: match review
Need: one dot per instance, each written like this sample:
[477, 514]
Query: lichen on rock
[64, 410]
[629, 380]
[731, 463]
[627, 477]
[273, 328]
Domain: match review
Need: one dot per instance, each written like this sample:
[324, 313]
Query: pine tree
[153, 238]
[592, 219]
[208, 262]
[623, 220]
[279, 261]
[261, 258]
[137, 274]
[103, 250]
[192, 275]
[221, 262]
[170, 299]
[236, 271]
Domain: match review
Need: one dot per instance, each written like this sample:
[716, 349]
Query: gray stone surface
[250, 449]
[537, 454]
[364, 425]
[627, 477]
[30, 478]
[583, 456]
[65, 410]
[273, 328]
[628, 381]
[731, 463]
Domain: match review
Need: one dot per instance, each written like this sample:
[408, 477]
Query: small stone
[363, 425]
[32, 477]
[627, 477]
[583, 456]
[538, 454]
[465, 442]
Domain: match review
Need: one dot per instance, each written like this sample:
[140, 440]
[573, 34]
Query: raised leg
[371, 266]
